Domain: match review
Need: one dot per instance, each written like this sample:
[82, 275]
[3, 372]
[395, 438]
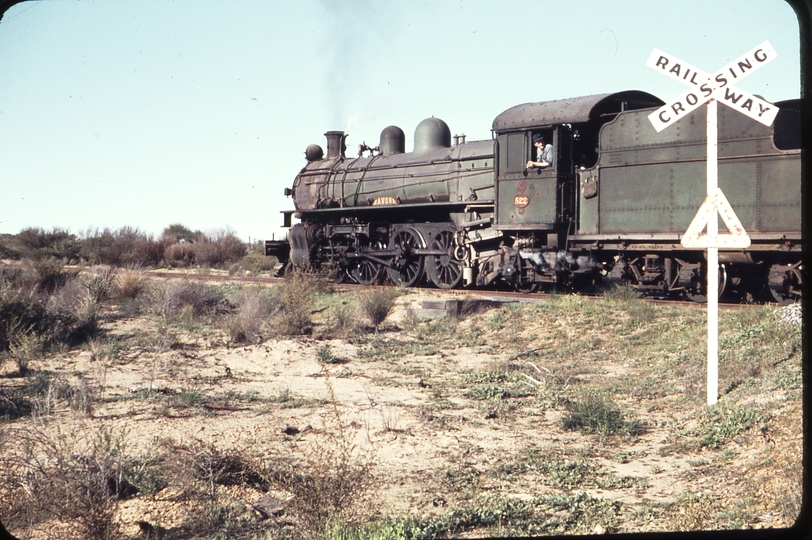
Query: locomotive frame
[614, 204]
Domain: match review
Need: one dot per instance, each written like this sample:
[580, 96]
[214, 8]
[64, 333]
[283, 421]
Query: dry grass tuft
[130, 282]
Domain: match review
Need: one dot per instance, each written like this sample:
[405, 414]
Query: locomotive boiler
[614, 204]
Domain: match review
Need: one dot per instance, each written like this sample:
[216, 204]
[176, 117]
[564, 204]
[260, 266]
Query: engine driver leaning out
[544, 153]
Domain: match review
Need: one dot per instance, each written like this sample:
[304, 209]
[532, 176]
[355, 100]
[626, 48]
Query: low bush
[19, 312]
[100, 282]
[65, 483]
[296, 298]
[72, 314]
[168, 298]
[254, 263]
[50, 273]
[377, 303]
[218, 249]
[250, 322]
[722, 423]
[179, 255]
[332, 485]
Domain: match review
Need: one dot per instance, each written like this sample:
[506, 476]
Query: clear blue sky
[148, 113]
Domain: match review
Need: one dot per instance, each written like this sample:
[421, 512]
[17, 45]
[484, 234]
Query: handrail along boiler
[615, 202]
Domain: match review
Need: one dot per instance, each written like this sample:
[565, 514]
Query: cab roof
[572, 110]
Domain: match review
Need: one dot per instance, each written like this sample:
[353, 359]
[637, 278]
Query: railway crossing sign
[712, 89]
[704, 87]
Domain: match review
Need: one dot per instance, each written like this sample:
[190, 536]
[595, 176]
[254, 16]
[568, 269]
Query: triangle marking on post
[715, 203]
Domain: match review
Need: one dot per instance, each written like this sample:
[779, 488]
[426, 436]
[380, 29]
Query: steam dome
[431, 134]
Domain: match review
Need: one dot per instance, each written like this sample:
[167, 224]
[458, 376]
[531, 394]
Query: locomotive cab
[535, 207]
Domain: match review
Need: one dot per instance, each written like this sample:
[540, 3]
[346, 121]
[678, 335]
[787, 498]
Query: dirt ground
[433, 443]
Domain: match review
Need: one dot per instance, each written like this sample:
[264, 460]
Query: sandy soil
[410, 414]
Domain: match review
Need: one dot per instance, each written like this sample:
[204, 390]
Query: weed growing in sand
[332, 483]
[325, 355]
[722, 423]
[593, 411]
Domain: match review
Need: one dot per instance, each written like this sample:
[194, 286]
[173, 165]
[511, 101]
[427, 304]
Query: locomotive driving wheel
[445, 271]
[407, 266]
[366, 271]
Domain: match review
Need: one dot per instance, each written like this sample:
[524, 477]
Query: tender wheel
[785, 282]
[367, 272]
[526, 288]
[698, 293]
[444, 270]
[521, 281]
[407, 267]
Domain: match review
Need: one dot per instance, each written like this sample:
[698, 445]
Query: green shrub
[296, 296]
[37, 243]
[180, 233]
[256, 263]
[109, 247]
[325, 355]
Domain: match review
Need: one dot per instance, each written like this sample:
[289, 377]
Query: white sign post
[711, 89]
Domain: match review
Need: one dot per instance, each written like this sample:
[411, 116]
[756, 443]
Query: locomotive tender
[616, 202]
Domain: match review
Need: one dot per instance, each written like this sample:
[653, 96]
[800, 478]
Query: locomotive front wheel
[342, 275]
[443, 270]
[407, 268]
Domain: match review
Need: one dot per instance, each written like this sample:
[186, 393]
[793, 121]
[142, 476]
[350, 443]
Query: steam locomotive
[614, 204]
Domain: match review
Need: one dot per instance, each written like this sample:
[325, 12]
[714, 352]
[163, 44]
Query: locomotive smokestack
[335, 144]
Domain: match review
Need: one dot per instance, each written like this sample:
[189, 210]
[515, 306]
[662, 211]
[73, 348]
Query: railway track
[484, 293]
[502, 295]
